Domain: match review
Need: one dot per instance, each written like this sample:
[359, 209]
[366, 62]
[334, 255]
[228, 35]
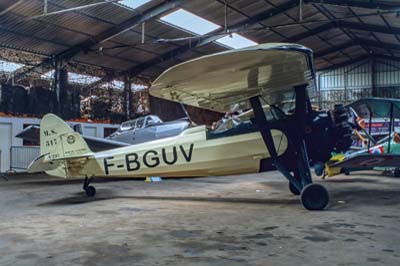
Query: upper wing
[378, 107]
[369, 161]
[218, 81]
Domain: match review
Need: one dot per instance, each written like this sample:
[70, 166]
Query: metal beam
[387, 57]
[334, 49]
[366, 43]
[368, 27]
[312, 32]
[345, 63]
[45, 13]
[108, 34]
[11, 7]
[329, 15]
[359, 4]
[370, 43]
[215, 36]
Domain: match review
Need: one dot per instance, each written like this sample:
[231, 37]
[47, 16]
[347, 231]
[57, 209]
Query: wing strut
[390, 127]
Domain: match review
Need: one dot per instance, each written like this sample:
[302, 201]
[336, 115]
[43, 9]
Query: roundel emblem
[71, 139]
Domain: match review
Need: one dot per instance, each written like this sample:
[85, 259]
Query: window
[6, 66]
[134, 3]
[32, 142]
[81, 79]
[139, 123]
[127, 125]
[108, 131]
[149, 121]
[189, 22]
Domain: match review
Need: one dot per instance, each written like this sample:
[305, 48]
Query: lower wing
[369, 161]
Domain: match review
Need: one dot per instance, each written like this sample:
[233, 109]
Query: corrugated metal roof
[54, 34]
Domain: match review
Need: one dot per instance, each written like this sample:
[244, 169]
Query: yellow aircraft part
[332, 171]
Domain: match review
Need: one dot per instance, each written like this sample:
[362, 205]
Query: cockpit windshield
[127, 125]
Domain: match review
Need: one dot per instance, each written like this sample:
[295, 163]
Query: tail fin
[63, 152]
[59, 141]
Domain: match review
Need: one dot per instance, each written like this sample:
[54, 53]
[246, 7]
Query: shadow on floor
[81, 198]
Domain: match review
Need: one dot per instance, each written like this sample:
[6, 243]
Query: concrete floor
[239, 220]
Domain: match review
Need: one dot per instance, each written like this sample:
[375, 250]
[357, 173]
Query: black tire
[90, 191]
[293, 189]
[314, 197]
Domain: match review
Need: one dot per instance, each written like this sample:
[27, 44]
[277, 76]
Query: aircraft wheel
[397, 172]
[314, 197]
[293, 189]
[90, 191]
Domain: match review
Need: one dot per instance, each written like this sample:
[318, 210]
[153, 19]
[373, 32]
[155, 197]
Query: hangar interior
[94, 60]
[91, 62]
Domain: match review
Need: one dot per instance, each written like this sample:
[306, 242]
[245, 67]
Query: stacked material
[41, 101]
[70, 104]
[38, 101]
[13, 99]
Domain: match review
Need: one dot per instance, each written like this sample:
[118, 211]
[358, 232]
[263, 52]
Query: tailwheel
[314, 197]
[293, 189]
[90, 191]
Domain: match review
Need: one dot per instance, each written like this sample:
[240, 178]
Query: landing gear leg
[293, 189]
[313, 196]
[90, 190]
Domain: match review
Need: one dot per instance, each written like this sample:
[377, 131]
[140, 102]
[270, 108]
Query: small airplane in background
[272, 139]
[383, 153]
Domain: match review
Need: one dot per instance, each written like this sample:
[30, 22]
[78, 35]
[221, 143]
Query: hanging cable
[226, 16]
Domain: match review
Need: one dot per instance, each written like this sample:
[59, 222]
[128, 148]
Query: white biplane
[272, 139]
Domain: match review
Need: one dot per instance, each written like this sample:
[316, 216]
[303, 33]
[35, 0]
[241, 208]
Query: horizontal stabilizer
[44, 163]
[40, 164]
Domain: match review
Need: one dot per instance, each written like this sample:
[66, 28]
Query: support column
[373, 78]
[60, 86]
[127, 97]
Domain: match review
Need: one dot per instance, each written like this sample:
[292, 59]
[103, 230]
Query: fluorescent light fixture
[81, 79]
[189, 22]
[6, 66]
[236, 41]
[133, 3]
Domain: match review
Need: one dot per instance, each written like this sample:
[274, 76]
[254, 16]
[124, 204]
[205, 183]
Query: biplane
[383, 153]
[267, 74]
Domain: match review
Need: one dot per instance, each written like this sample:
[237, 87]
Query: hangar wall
[370, 77]
[11, 126]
